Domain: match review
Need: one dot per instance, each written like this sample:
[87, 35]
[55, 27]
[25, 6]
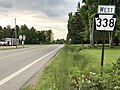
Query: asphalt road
[18, 66]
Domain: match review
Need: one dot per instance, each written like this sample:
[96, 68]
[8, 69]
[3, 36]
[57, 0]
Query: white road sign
[20, 37]
[105, 22]
[106, 9]
[24, 37]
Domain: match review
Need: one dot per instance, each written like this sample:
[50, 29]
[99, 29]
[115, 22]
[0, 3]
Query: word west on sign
[106, 9]
[105, 22]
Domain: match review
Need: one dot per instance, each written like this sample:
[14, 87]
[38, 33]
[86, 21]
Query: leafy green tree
[117, 33]
[40, 37]
[33, 36]
[17, 29]
[45, 36]
[90, 9]
[59, 41]
[24, 30]
[69, 26]
[8, 32]
[75, 27]
[85, 20]
[1, 33]
[49, 36]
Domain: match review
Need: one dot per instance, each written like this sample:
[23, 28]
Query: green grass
[71, 64]
[111, 54]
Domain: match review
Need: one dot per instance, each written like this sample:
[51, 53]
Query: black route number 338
[105, 22]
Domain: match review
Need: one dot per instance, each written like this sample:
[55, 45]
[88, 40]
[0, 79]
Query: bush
[107, 81]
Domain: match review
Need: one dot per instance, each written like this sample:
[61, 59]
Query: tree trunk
[110, 39]
[91, 27]
[116, 41]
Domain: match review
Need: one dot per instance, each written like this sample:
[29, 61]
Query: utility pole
[15, 34]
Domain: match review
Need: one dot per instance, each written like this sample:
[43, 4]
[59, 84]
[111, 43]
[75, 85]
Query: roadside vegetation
[33, 36]
[78, 68]
[81, 24]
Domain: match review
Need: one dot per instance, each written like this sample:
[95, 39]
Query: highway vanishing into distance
[20, 65]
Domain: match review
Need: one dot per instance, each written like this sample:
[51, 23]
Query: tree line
[32, 35]
[81, 24]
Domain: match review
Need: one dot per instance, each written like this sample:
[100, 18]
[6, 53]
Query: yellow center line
[17, 54]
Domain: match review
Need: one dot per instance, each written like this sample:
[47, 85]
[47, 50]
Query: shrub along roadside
[71, 70]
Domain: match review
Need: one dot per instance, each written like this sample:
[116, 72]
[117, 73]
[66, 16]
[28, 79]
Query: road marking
[18, 54]
[26, 67]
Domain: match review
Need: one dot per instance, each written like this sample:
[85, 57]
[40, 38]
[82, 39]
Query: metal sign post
[103, 45]
[20, 38]
[24, 38]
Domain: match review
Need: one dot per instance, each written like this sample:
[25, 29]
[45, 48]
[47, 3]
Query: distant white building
[11, 41]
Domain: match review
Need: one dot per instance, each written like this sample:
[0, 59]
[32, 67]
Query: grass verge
[111, 55]
[76, 68]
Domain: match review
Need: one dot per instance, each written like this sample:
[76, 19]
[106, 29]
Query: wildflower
[54, 85]
[116, 87]
[93, 73]
[90, 72]
[89, 81]
[77, 85]
[82, 80]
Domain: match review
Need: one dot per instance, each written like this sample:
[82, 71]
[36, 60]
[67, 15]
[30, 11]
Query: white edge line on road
[26, 67]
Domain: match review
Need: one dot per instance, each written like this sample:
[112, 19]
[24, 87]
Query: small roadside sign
[20, 37]
[105, 22]
[24, 37]
[106, 9]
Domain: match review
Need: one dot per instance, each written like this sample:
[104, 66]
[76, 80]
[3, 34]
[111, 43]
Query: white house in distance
[11, 41]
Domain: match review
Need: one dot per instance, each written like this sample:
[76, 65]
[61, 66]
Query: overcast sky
[42, 14]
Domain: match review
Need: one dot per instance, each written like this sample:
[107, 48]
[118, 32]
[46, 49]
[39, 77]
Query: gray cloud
[5, 4]
[52, 8]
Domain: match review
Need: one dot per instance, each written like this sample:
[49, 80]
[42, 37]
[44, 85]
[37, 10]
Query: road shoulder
[31, 84]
